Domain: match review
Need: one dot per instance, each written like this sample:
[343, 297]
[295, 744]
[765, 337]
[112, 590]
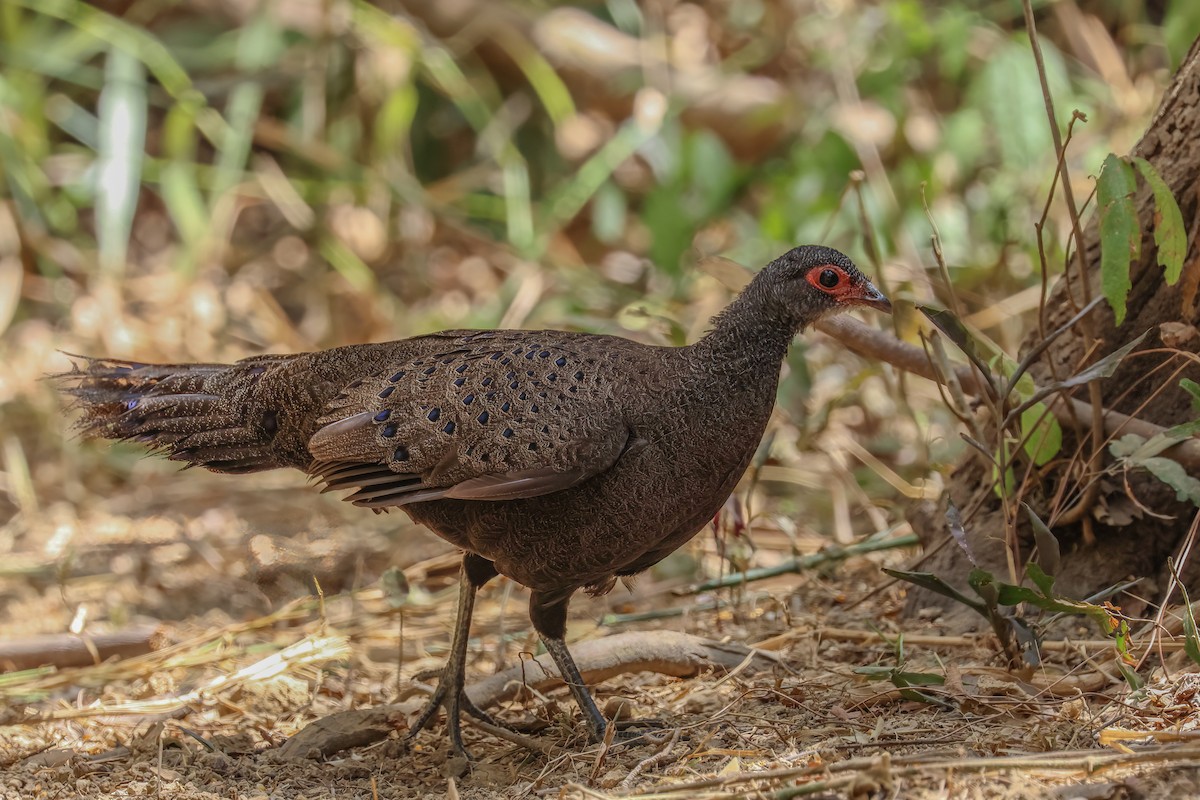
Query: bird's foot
[455, 705]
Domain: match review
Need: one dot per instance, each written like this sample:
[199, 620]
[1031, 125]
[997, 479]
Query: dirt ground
[247, 655]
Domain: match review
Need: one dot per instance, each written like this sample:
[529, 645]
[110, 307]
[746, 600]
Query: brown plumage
[561, 460]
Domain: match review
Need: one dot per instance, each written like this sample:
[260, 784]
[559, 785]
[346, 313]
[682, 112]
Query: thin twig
[876, 344]
[1079, 511]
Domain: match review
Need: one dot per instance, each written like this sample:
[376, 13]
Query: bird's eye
[828, 278]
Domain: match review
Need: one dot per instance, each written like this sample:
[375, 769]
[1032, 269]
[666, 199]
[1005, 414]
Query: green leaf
[1041, 433]
[1010, 595]
[1120, 233]
[945, 321]
[1104, 368]
[1191, 640]
[1184, 430]
[119, 163]
[1131, 677]
[1170, 239]
[610, 208]
[348, 265]
[241, 110]
[985, 585]
[1127, 445]
[1174, 475]
[1192, 388]
[1136, 449]
[1049, 556]
[1003, 456]
[927, 580]
[875, 673]
[905, 679]
[260, 44]
[1044, 582]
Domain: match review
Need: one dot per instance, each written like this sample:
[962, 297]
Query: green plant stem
[802, 563]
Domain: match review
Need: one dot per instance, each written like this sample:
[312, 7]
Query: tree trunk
[1121, 541]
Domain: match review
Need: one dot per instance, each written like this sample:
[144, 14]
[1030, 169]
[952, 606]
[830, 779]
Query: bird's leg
[548, 612]
[476, 571]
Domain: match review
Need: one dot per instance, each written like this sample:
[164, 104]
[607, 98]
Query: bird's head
[810, 282]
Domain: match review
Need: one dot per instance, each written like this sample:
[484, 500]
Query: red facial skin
[846, 290]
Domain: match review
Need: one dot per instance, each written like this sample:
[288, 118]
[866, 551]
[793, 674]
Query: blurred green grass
[190, 180]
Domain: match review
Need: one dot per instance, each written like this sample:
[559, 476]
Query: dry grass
[269, 595]
[203, 716]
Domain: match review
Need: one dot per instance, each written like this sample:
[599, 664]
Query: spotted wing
[493, 416]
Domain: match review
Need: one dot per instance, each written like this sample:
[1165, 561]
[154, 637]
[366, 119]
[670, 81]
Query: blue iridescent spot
[397, 376]
[578, 376]
[542, 395]
[401, 454]
[544, 354]
[506, 361]
[459, 381]
[529, 373]
[130, 405]
[573, 390]
[523, 396]
[511, 376]
[383, 415]
[461, 368]
[496, 356]
[486, 382]
[490, 395]
[482, 418]
[354, 385]
[468, 399]
[386, 391]
[534, 408]
[507, 433]
[561, 361]
[430, 370]
[433, 414]
[513, 385]
[517, 352]
[553, 376]
[389, 430]
[506, 406]
[449, 360]
[448, 427]
[533, 445]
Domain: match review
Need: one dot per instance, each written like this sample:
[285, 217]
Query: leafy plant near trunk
[1006, 606]
[1121, 231]
[1138, 452]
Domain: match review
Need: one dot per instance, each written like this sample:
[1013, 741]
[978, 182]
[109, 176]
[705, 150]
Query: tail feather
[209, 415]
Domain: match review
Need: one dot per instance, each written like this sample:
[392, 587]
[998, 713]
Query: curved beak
[872, 298]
